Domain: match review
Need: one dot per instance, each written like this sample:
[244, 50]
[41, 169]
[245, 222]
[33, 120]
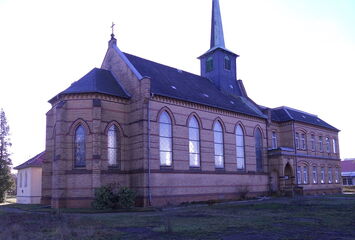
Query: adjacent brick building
[178, 137]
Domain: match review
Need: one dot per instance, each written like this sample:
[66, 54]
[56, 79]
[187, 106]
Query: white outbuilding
[29, 180]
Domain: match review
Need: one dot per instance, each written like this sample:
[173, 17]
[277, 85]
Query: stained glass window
[80, 147]
[113, 146]
[258, 150]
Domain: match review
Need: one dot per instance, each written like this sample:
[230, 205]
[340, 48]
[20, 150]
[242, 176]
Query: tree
[5, 161]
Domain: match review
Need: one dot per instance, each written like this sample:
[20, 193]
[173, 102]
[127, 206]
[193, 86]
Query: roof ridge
[297, 110]
[286, 110]
[161, 64]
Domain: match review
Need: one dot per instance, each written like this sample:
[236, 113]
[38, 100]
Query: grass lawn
[280, 218]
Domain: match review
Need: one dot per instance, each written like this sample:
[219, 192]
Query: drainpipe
[294, 147]
[149, 171]
[267, 121]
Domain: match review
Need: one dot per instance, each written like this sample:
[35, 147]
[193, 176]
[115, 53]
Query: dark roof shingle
[285, 114]
[178, 84]
[97, 81]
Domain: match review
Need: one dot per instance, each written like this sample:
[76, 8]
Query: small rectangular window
[303, 141]
[320, 143]
[330, 176]
[314, 173]
[337, 175]
[274, 140]
[322, 175]
[334, 145]
[299, 176]
[297, 140]
[20, 179]
[305, 175]
[313, 145]
[327, 144]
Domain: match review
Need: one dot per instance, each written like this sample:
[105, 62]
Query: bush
[113, 196]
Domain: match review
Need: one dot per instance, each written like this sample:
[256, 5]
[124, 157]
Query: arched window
[194, 142]
[218, 145]
[113, 146]
[259, 150]
[209, 64]
[80, 147]
[239, 134]
[227, 63]
[165, 139]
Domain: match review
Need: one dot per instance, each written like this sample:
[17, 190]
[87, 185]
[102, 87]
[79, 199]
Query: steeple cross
[112, 27]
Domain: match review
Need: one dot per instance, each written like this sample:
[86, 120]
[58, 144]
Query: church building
[173, 136]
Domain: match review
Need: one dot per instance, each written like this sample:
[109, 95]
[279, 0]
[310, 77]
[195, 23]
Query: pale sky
[296, 53]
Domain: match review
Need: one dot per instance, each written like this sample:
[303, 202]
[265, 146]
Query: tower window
[227, 63]
[209, 64]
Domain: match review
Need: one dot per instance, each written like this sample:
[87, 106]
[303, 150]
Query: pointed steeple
[219, 64]
[217, 37]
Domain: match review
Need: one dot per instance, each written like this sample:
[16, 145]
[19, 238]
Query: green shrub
[113, 196]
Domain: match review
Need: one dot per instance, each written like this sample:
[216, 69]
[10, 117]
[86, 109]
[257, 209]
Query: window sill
[220, 169]
[195, 169]
[113, 166]
[166, 168]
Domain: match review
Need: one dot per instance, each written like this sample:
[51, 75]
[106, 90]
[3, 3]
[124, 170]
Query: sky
[295, 53]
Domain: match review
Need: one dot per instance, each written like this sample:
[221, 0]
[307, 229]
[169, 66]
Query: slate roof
[97, 81]
[36, 161]
[178, 84]
[285, 114]
[348, 165]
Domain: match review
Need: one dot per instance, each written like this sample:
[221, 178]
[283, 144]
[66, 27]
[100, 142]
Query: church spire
[217, 37]
[219, 64]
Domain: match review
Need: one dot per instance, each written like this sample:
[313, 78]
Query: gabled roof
[97, 81]
[36, 161]
[285, 114]
[171, 82]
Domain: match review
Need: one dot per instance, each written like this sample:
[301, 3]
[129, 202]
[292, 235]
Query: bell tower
[219, 64]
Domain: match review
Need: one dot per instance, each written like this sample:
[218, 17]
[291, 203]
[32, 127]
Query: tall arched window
[227, 63]
[194, 142]
[218, 145]
[209, 64]
[80, 147]
[165, 139]
[113, 146]
[240, 148]
[259, 150]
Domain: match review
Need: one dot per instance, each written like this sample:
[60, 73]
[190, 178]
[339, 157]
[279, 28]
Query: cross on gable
[112, 27]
